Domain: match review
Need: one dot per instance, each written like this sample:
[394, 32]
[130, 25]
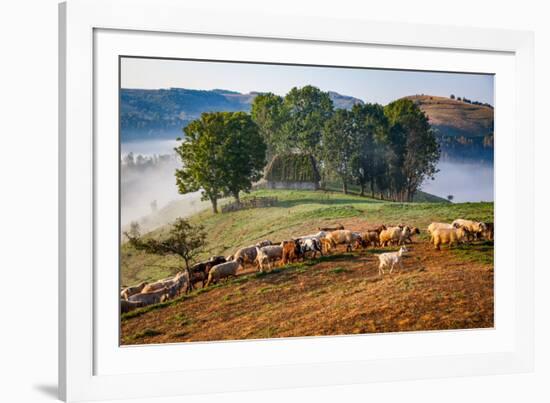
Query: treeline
[140, 162]
[389, 150]
[467, 148]
[469, 101]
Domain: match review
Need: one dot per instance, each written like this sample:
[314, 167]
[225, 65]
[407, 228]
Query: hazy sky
[371, 85]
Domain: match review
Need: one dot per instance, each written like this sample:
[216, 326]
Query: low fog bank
[149, 193]
[466, 181]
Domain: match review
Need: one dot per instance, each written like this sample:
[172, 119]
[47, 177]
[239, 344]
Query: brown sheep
[291, 251]
[127, 306]
[326, 245]
[199, 271]
[489, 233]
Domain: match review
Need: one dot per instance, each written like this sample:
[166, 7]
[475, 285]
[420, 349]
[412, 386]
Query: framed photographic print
[267, 209]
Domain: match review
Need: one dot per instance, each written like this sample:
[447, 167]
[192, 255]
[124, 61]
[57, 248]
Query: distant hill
[147, 114]
[464, 130]
[456, 118]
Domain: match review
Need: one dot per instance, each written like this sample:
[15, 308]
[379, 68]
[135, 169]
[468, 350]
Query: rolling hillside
[297, 212]
[341, 293]
[456, 118]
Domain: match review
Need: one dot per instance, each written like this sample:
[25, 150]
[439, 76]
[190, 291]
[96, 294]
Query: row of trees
[469, 101]
[390, 149]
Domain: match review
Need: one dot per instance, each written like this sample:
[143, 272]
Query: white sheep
[178, 279]
[149, 298]
[344, 236]
[310, 245]
[438, 225]
[129, 291]
[475, 228]
[267, 254]
[248, 255]
[224, 270]
[390, 259]
[391, 235]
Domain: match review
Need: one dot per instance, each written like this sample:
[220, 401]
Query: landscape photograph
[262, 201]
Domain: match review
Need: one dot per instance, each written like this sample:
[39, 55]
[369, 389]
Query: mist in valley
[148, 191]
[465, 180]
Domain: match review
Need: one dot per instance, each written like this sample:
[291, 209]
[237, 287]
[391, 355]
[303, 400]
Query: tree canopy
[223, 153]
[417, 145]
[340, 137]
[293, 123]
[390, 149]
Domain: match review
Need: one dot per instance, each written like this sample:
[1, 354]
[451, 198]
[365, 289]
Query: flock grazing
[265, 254]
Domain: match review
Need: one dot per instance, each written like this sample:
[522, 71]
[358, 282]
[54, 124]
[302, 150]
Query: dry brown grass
[454, 117]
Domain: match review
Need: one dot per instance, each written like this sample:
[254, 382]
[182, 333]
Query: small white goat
[390, 259]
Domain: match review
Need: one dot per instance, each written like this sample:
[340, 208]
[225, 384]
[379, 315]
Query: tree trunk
[236, 196]
[189, 284]
[372, 189]
[345, 187]
[362, 189]
[214, 205]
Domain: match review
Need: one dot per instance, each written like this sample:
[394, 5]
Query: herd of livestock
[265, 253]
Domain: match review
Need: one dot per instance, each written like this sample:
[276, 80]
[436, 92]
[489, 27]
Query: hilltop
[455, 118]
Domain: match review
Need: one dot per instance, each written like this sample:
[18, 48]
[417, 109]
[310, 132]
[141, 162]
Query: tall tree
[245, 152]
[339, 138]
[307, 108]
[269, 113]
[369, 159]
[222, 153]
[416, 147]
[202, 155]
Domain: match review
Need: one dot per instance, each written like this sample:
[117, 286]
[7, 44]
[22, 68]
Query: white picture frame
[93, 33]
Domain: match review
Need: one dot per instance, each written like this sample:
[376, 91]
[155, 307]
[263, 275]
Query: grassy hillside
[456, 118]
[297, 213]
[341, 293]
